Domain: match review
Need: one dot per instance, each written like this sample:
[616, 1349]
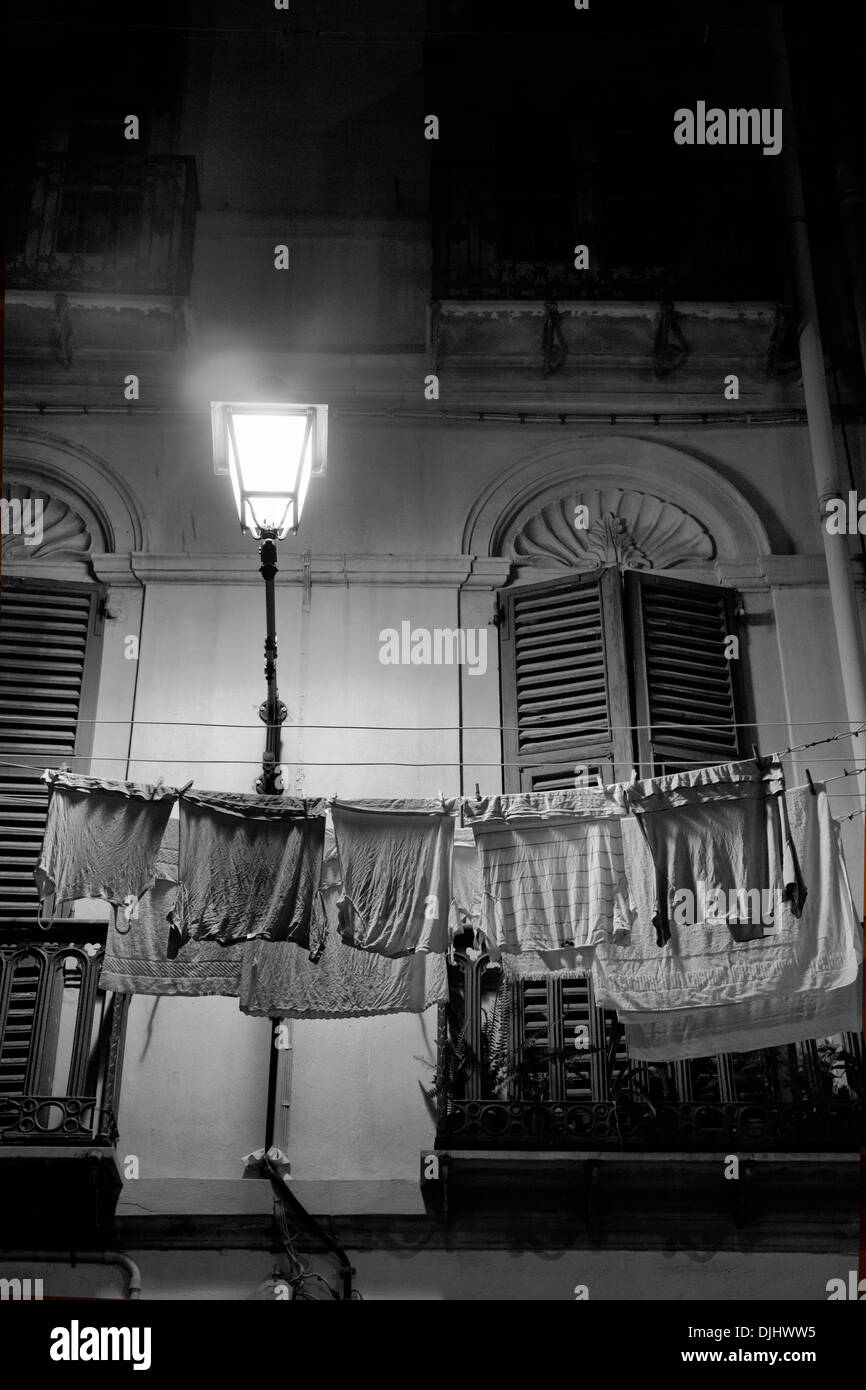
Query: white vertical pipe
[843, 596]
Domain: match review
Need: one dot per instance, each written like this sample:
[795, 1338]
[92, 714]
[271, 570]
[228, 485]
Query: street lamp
[270, 451]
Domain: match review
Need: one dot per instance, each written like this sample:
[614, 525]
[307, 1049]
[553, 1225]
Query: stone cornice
[481, 573]
[425, 571]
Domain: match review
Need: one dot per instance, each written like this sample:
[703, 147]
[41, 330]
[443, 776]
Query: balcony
[540, 1067]
[61, 1048]
[505, 229]
[103, 226]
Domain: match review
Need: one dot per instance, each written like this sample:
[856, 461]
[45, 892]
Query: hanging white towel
[703, 967]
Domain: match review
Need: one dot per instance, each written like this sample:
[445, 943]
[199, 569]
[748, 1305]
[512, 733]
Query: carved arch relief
[73, 476]
[39, 527]
[600, 527]
[677, 509]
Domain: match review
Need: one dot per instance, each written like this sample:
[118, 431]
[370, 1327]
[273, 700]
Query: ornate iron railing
[493, 242]
[61, 1039]
[119, 226]
[538, 1065]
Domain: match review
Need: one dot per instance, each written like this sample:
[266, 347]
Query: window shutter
[689, 701]
[47, 667]
[564, 687]
[549, 1019]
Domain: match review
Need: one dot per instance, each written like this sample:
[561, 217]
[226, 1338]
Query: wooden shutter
[564, 681]
[689, 698]
[549, 1017]
[47, 673]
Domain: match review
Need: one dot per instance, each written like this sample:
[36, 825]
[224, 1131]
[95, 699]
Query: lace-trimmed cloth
[101, 838]
[137, 959]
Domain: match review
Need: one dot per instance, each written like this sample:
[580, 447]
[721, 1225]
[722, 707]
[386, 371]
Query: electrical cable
[552, 766]
[341, 762]
[480, 728]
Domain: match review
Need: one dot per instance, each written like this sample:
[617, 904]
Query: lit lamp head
[270, 452]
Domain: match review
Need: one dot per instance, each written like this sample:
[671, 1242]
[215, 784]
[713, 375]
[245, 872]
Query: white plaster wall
[195, 1079]
[194, 1094]
[196, 1072]
[405, 487]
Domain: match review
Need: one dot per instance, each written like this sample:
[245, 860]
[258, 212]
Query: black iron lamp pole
[273, 712]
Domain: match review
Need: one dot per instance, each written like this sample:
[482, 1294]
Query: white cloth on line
[279, 979]
[552, 869]
[704, 966]
[719, 839]
[754, 1023]
[395, 859]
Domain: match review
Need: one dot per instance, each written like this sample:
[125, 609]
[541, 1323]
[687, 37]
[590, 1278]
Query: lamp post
[270, 452]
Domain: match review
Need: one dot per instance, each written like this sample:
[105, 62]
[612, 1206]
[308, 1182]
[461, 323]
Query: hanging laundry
[553, 874]
[465, 914]
[703, 966]
[101, 838]
[249, 867]
[568, 964]
[395, 859]
[744, 1027]
[279, 979]
[721, 846]
[136, 959]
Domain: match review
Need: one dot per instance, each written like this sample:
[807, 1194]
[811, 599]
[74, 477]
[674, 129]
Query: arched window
[609, 661]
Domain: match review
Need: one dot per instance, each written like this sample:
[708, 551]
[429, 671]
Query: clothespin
[157, 787]
[633, 777]
[181, 791]
[477, 792]
[812, 787]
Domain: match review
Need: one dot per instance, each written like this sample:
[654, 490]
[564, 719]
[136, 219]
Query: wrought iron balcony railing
[494, 240]
[117, 226]
[61, 1039]
[535, 1064]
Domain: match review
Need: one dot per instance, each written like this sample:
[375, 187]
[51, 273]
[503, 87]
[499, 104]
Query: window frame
[85, 727]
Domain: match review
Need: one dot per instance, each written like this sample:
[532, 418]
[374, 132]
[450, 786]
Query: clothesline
[343, 932]
[341, 762]
[377, 762]
[483, 728]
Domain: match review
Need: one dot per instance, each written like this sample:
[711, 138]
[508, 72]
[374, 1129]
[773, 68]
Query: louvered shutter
[689, 701]
[549, 1019]
[564, 686]
[47, 670]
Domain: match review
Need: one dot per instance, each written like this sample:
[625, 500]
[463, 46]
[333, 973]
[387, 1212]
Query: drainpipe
[843, 596]
[849, 194]
[93, 1257]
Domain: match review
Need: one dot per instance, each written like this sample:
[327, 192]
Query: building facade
[573, 415]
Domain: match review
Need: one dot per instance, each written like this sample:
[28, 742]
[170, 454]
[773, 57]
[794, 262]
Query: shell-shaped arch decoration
[633, 530]
[36, 526]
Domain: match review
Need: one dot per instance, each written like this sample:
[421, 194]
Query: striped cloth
[552, 870]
